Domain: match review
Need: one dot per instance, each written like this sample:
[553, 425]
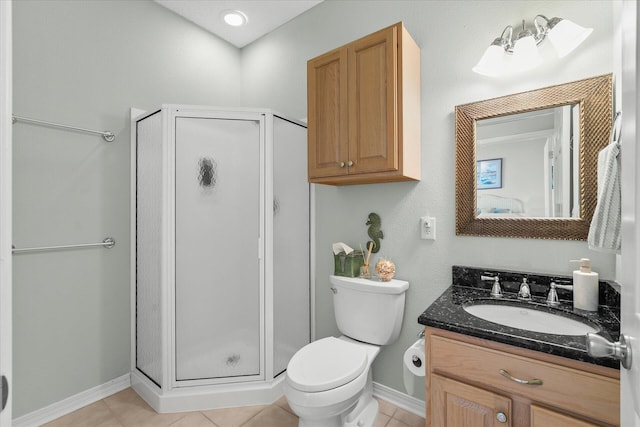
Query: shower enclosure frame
[171, 394]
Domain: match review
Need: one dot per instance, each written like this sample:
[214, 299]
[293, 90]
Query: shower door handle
[5, 392]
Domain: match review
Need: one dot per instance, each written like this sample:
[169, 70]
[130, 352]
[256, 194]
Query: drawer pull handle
[500, 416]
[534, 381]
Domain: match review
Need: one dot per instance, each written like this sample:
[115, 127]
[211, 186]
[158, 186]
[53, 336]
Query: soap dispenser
[585, 286]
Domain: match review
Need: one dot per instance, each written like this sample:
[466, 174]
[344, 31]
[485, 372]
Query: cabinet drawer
[543, 417]
[590, 395]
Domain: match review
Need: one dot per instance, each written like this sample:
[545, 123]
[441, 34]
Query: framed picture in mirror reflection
[489, 174]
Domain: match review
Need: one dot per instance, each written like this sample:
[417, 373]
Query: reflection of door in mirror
[540, 163]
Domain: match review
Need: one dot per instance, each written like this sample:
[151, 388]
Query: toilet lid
[325, 364]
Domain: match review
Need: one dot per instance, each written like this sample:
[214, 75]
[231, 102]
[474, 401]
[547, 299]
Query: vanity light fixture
[507, 54]
[235, 18]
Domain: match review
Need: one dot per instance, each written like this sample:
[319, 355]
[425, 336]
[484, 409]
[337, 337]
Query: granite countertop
[447, 313]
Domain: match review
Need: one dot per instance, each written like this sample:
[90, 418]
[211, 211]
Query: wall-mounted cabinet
[364, 111]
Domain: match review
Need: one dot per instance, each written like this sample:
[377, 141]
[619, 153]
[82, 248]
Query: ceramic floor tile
[381, 420]
[127, 409]
[232, 417]
[385, 407]
[92, 415]
[194, 419]
[408, 418]
[111, 422]
[272, 416]
[395, 423]
[132, 411]
[284, 404]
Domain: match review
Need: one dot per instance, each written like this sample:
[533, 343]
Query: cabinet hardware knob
[350, 163]
[500, 416]
[341, 164]
[598, 346]
[534, 381]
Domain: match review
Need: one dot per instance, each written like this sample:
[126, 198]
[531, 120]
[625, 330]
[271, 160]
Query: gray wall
[86, 63]
[452, 36]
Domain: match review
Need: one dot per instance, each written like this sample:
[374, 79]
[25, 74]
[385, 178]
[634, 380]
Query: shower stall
[220, 255]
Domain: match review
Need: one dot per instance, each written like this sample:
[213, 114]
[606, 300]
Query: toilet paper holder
[415, 359]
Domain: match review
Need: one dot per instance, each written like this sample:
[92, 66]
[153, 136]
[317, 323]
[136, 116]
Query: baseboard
[73, 403]
[399, 399]
[187, 399]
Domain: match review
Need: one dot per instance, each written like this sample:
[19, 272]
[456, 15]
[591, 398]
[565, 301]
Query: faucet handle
[552, 296]
[557, 284]
[496, 290]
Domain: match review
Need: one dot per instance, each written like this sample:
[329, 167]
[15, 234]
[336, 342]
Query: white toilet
[328, 382]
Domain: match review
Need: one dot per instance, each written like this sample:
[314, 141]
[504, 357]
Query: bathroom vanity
[480, 373]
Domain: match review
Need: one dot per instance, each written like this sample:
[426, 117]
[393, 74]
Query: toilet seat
[326, 364]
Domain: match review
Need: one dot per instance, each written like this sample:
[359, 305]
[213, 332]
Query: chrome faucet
[552, 297]
[524, 292]
[496, 290]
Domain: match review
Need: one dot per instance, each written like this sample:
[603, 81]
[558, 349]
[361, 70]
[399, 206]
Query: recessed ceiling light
[234, 18]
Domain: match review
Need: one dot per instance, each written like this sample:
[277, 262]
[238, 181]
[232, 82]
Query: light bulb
[566, 36]
[525, 53]
[492, 63]
[235, 18]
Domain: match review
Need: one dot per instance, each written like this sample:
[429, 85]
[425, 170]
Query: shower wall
[221, 283]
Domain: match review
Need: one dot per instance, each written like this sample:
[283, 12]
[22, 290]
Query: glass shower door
[217, 235]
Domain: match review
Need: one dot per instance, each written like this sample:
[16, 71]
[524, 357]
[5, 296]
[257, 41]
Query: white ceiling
[263, 16]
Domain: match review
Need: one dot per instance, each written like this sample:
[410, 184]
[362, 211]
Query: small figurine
[375, 233]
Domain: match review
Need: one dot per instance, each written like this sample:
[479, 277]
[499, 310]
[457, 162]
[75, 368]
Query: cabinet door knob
[500, 416]
[350, 163]
[341, 164]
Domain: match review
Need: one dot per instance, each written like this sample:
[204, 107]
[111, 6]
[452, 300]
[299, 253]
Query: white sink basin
[530, 319]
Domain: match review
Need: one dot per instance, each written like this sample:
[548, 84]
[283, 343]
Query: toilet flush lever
[334, 290]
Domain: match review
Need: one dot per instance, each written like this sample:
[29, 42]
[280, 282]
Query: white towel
[604, 233]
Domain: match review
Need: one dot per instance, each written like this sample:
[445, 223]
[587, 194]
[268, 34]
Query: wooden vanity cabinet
[466, 389]
[364, 110]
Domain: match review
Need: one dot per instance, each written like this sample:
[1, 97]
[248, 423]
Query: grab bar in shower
[106, 135]
[107, 243]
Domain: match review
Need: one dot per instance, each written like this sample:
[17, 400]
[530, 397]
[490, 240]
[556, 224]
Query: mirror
[526, 164]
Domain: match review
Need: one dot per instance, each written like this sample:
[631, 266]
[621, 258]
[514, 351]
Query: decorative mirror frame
[595, 97]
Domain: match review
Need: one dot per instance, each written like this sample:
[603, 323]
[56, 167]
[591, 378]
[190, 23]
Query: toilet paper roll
[413, 365]
[414, 358]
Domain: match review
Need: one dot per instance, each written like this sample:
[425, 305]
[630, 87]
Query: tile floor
[127, 409]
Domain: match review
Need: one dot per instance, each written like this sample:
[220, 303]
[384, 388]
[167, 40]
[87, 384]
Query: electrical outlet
[428, 228]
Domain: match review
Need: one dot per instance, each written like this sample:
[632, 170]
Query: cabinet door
[327, 109]
[373, 80]
[455, 404]
[542, 417]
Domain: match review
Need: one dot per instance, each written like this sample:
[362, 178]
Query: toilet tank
[369, 310]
